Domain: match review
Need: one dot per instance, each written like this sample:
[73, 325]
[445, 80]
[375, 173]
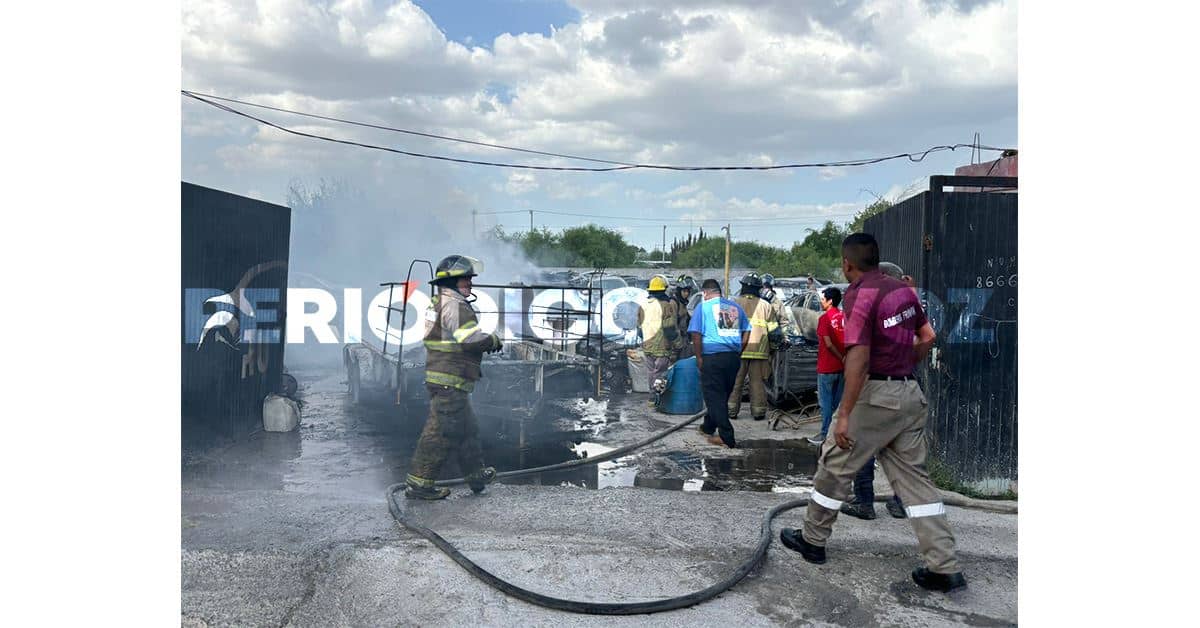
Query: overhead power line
[397, 150]
[615, 165]
[407, 131]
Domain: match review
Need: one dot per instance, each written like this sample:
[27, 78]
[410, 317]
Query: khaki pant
[758, 371]
[450, 430]
[888, 422]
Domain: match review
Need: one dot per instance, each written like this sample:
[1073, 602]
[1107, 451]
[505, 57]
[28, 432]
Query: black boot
[794, 540]
[421, 488]
[481, 478]
[430, 494]
[896, 509]
[859, 509]
[944, 582]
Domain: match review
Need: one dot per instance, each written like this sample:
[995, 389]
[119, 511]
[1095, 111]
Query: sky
[740, 82]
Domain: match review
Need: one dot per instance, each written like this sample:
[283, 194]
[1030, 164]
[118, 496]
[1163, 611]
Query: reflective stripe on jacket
[454, 343]
[656, 320]
[763, 320]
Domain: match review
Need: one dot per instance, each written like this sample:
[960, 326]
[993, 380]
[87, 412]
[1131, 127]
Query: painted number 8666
[996, 281]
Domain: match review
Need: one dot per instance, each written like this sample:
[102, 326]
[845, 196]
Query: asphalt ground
[293, 529]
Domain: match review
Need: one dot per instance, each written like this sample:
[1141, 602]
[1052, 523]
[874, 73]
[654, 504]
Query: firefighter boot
[481, 478]
[422, 488]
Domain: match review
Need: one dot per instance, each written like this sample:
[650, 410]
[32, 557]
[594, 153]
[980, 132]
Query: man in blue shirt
[720, 331]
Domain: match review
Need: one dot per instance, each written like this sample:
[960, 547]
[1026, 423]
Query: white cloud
[683, 190]
[704, 82]
[829, 174]
[751, 82]
[704, 205]
[559, 190]
[520, 183]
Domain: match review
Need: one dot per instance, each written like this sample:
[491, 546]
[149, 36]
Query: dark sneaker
[761, 418]
[896, 509]
[430, 493]
[944, 582]
[481, 478]
[817, 440]
[794, 540]
[860, 510]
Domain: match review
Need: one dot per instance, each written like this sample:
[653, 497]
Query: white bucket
[639, 371]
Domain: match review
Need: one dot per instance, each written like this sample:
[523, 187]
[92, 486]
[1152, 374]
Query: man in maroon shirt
[882, 414]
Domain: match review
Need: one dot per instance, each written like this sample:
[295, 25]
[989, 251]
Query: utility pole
[664, 248]
[531, 221]
[726, 228]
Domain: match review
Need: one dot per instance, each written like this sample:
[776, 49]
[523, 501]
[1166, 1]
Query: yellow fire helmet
[658, 283]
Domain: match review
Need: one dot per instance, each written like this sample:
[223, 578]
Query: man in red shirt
[882, 413]
[830, 380]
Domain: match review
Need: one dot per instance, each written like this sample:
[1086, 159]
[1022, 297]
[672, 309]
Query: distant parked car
[636, 282]
[807, 310]
[605, 282]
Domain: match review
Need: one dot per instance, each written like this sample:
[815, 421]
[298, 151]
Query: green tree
[706, 253]
[861, 217]
[826, 241]
[596, 246]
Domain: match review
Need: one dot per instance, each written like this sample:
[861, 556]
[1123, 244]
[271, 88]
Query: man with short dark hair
[720, 331]
[883, 413]
[830, 353]
[863, 504]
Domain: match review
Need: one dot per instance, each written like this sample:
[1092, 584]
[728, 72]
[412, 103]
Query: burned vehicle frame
[530, 370]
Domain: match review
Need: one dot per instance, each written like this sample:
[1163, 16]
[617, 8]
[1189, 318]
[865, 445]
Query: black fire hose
[582, 606]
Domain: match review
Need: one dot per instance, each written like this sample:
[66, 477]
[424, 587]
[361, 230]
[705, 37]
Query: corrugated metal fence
[234, 291]
[962, 248]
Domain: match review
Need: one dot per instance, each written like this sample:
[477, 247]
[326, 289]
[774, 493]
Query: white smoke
[352, 232]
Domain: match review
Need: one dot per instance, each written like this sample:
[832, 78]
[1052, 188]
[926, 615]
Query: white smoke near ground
[353, 232]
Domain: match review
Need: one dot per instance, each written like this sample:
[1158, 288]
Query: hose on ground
[599, 608]
[584, 606]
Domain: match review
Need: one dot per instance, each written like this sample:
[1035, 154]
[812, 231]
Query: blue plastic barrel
[682, 395]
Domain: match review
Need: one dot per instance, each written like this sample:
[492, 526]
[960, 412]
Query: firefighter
[657, 320]
[454, 347]
[781, 312]
[685, 289]
[756, 358]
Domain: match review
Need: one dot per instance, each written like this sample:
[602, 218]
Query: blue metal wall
[229, 241]
[963, 247]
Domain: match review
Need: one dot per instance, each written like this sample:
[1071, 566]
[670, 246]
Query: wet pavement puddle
[341, 447]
